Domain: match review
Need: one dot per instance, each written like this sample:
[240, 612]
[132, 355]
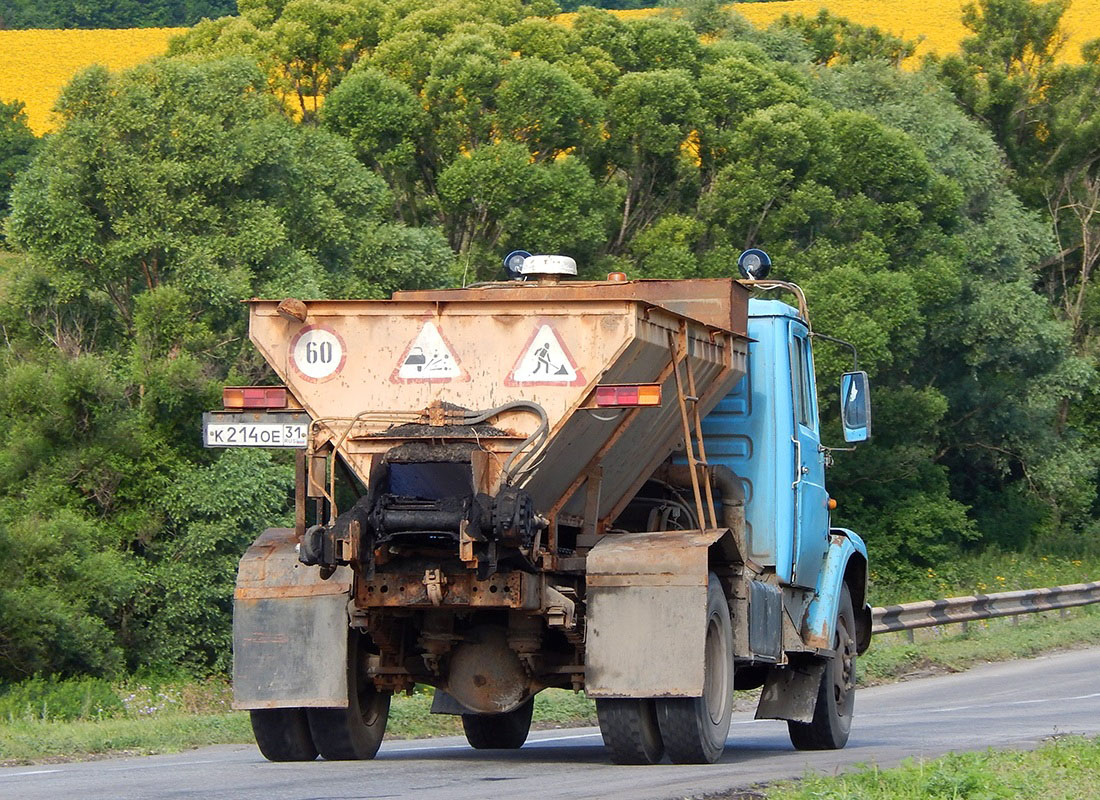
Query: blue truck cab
[767, 432]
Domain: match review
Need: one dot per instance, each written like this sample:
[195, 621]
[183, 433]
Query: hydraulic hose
[513, 467]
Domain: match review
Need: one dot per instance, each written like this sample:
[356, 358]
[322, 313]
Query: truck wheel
[629, 729]
[694, 729]
[499, 731]
[282, 734]
[836, 698]
[352, 733]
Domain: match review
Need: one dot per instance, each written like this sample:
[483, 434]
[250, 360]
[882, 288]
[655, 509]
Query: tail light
[626, 395]
[255, 397]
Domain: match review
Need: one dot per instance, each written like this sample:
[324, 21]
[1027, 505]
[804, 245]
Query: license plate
[261, 429]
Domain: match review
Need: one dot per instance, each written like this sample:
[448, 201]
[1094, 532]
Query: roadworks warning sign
[545, 361]
[428, 358]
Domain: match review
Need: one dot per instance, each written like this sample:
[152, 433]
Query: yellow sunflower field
[35, 65]
[938, 23]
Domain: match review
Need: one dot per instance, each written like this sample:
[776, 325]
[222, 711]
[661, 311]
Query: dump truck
[615, 487]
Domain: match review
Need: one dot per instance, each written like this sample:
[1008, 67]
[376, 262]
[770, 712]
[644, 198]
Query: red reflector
[645, 394]
[254, 397]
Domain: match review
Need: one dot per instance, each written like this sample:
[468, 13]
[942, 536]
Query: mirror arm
[849, 345]
[828, 451]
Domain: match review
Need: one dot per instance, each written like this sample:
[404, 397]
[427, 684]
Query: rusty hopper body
[609, 333]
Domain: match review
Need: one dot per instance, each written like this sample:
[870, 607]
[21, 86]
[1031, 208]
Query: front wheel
[352, 733]
[836, 696]
[499, 731]
[694, 729]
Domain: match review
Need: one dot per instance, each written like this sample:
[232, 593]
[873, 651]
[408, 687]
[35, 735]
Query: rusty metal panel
[717, 302]
[646, 628]
[519, 590]
[649, 437]
[290, 629]
[290, 652]
[270, 568]
[366, 360]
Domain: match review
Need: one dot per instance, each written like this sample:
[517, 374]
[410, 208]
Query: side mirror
[855, 406]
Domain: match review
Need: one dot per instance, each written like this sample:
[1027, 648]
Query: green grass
[29, 739]
[1063, 769]
[981, 573]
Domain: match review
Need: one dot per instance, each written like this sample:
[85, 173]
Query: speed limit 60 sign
[318, 353]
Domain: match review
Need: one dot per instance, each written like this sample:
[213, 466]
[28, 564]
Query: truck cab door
[811, 517]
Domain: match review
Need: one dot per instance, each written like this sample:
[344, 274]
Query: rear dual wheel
[282, 734]
[692, 730]
[352, 733]
[630, 730]
[337, 734]
[499, 731]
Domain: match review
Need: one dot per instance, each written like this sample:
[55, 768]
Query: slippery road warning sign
[545, 361]
[428, 358]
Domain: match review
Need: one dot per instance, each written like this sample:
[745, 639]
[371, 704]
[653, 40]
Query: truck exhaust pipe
[722, 479]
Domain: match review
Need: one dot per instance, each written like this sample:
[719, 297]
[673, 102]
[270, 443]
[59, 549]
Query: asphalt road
[1013, 704]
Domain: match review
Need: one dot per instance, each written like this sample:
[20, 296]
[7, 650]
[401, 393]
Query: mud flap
[791, 692]
[290, 629]
[646, 620]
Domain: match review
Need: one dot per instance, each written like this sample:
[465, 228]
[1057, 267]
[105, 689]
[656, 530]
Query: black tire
[694, 729]
[499, 731]
[836, 697]
[282, 734]
[630, 730]
[353, 733]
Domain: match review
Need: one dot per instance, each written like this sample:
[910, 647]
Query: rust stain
[514, 590]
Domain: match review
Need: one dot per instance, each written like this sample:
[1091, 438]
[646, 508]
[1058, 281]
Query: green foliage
[835, 40]
[1046, 117]
[110, 13]
[170, 193]
[53, 699]
[17, 145]
[212, 514]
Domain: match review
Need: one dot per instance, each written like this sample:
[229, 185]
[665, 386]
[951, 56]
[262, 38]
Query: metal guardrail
[926, 613]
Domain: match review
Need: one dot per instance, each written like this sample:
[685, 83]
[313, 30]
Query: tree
[170, 193]
[834, 40]
[1000, 370]
[111, 13]
[651, 117]
[17, 145]
[1046, 117]
[305, 47]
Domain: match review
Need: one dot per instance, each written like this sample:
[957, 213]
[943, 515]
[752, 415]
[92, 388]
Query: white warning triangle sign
[428, 358]
[546, 361]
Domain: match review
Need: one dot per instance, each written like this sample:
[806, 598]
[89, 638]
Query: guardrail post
[909, 637]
